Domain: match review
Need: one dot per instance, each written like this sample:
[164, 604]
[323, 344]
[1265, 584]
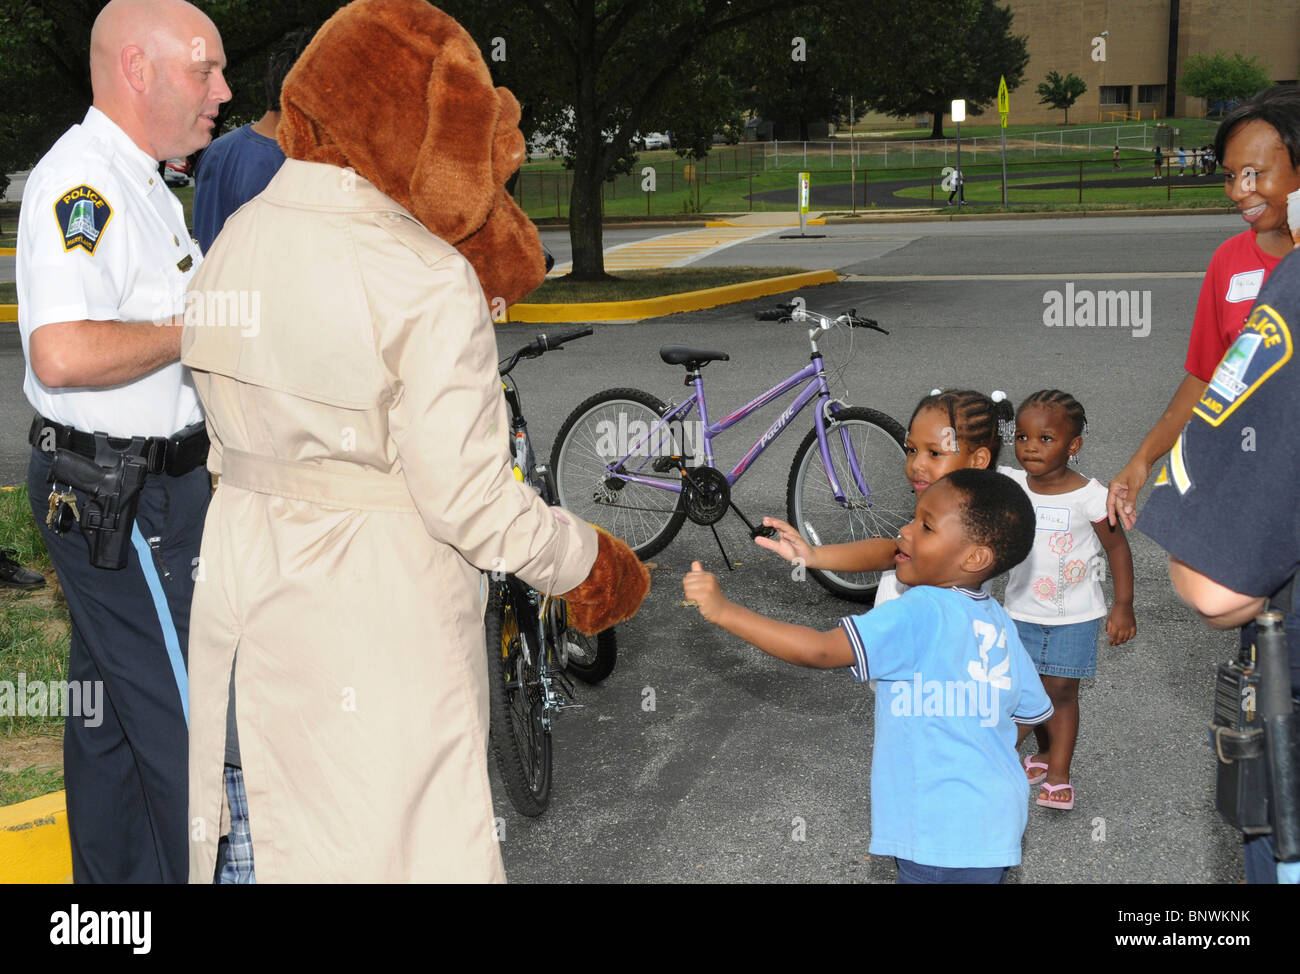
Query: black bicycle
[530, 646]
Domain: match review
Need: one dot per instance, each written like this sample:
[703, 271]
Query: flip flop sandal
[1030, 764]
[1051, 802]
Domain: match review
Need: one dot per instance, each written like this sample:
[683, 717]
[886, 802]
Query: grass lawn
[1021, 191]
[634, 285]
[34, 633]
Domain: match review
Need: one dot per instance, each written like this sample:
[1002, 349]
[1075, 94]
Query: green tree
[925, 53]
[797, 68]
[44, 76]
[1223, 77]
[45, 64]
[1061, 92]
[597, 72]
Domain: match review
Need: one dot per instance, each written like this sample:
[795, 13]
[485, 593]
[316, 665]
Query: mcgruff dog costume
[359, 429]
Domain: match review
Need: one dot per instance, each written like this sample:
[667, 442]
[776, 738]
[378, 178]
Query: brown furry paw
[613, 590]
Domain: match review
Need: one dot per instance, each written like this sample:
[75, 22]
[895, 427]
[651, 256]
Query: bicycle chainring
[706, 495]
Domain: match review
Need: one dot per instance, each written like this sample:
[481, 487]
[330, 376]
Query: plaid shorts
[235, 851]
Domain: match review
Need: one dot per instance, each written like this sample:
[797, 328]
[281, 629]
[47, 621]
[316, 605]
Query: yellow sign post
[805, 197]
[1004, 109]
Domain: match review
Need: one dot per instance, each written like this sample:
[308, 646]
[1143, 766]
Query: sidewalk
[682, 247]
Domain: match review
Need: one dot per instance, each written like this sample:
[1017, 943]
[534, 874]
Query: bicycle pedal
[664, 464]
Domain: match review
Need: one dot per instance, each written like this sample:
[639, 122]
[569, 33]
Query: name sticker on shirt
[1245, 286]
[1053, 518]
[1262, 348]
[82, 214]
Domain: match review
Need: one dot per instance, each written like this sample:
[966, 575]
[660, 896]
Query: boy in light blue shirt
[956, 690]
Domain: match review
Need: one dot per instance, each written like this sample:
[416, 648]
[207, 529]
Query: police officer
[1226, 507]
[103, 261]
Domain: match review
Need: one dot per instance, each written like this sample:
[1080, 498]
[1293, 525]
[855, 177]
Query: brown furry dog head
[398, 91]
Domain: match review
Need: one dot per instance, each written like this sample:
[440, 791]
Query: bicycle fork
[555, 686]
[821, 420]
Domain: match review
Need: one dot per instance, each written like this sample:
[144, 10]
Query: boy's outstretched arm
[1121, 623]
[794, 644]
[869, 555]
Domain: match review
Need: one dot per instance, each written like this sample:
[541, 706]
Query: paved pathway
[682, 247]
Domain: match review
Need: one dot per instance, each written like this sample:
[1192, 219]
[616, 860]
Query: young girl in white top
[948, 430]
[1055, 594]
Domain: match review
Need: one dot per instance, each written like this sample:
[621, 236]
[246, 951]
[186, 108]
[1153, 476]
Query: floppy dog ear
[398, 91]
[452, 185]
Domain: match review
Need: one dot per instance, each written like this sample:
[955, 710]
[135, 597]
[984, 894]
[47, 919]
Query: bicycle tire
[596, 656]
[812, 509]
[520, 742]
[648, 518]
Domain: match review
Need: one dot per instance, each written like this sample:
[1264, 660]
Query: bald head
[156, 70]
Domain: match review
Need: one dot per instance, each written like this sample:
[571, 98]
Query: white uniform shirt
[101, 237]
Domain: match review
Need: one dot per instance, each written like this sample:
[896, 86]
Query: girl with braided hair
[1055, 594]
[948, 430]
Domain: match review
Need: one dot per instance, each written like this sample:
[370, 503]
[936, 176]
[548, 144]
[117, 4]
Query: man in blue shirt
[949, 800]
[237, 166]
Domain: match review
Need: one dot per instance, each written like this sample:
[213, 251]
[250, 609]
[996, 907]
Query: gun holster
[112, 494]
[1256, 735]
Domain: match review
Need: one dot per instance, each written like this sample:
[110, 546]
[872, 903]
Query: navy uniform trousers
[128, 778]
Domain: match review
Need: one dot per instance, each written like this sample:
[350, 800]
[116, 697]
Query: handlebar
[539, 346]
[798, 312]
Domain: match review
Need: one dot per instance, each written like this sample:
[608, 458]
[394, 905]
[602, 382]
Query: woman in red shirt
[1258, 145]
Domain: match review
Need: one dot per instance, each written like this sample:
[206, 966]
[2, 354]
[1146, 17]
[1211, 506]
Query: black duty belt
[173, 455]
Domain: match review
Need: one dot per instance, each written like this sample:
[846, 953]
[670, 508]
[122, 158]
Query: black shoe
[14, 575]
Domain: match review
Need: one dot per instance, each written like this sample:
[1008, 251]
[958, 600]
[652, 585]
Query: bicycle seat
[692, 358]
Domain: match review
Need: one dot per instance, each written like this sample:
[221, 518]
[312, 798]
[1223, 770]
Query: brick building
[1145, 45]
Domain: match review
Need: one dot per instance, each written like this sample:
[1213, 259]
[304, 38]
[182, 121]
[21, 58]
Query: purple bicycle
[639, 467]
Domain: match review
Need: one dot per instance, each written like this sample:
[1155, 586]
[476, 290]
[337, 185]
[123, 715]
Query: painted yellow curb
[669, 303]
[8, 312]
[34, 845]
[816, 222]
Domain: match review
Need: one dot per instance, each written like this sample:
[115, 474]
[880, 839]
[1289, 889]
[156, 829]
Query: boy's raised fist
[701, 588]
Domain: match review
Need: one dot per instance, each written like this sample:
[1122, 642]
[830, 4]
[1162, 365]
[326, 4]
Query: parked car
[657, 140]
[176, 172]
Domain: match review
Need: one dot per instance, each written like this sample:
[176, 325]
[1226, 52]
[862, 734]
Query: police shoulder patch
[1262, 348]
[82, 214]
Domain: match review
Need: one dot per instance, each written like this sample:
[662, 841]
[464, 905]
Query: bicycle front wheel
[591, 658]
[520, 740]
[877, 444]
[602, 430]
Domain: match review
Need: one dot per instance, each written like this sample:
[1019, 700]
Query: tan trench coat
[361, 436]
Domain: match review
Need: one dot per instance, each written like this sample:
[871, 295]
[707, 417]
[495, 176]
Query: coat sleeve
[447, 418]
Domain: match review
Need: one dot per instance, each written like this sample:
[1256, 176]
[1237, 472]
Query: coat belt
[354, 489]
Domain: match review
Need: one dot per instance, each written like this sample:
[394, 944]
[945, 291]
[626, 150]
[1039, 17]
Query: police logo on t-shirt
[1262, 348]
[82, 214]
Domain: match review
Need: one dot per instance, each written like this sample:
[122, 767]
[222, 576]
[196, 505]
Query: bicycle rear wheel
[877, 442]
[520, 740]
[602, 429]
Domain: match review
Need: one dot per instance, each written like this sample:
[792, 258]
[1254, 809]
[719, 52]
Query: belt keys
[63, 513]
